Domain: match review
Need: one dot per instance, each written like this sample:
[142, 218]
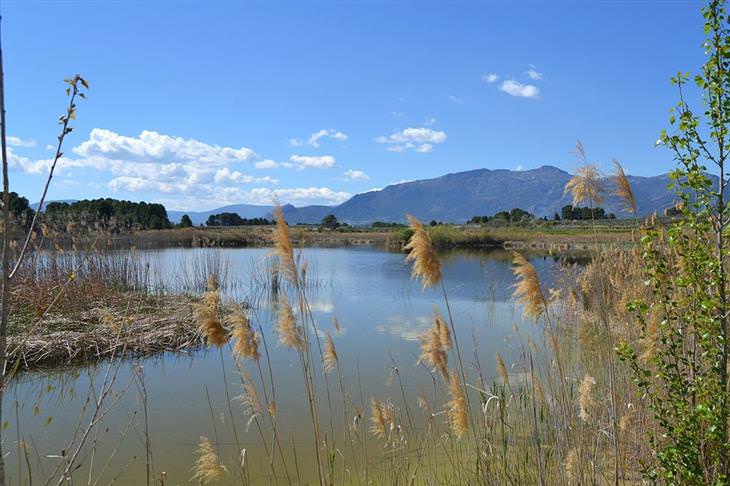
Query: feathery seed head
[283, 248]
[207, 313]
[443, 330]
[585, 397]
[208, 467]
[456, 407]
[330, 354]
[286, 325]
[378, 418]
[247, 341]
[250, 396]
[527, 289]
[502, 369]
[623, 188]
[426, 265]
[572, 465]
[585, 186]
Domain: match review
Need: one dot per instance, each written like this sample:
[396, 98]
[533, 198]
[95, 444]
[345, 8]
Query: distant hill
[459, 196]
[456, 198]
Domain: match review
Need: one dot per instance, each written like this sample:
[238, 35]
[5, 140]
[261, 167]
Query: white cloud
[266, 164]
[314, 139]
[356, 175]
[456, 99]
[19, 142]
[181, 173]
[490, 78]
[153, 147]
[227, 175]
[302, 162]
[533, 74]
[514, 88]
[429, 121]
[298, 196]
[420, 139]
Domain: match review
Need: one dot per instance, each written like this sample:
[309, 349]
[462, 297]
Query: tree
[685, 381]
[330, 222]
[185, 221]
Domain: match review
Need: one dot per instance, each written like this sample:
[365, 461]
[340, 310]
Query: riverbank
[547, 237]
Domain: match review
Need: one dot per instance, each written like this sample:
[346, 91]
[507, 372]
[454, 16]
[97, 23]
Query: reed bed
[141, 328]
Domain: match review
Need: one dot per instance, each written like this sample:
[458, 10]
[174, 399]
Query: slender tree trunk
[720, 66]
[5, 305]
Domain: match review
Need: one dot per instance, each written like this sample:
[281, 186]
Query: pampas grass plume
[208, 467]
[527, 289]
[456, 406]
[426, 265]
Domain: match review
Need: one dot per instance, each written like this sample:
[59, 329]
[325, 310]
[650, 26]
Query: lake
[381, 311]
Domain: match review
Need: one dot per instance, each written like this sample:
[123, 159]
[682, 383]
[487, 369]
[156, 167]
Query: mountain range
[459, 196]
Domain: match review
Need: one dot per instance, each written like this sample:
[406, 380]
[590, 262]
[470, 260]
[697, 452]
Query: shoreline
[549, 238]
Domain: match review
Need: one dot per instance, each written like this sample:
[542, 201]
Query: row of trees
[228, 219]
[586, 213]
[516, 215]
[111, 213]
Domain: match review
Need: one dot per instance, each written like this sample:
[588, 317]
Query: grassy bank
[554, 237]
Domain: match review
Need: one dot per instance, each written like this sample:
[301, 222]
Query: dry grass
[138, 326]
[421, 252]
[528, 291]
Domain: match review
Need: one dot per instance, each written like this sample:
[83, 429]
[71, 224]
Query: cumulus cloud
[534, 74]
[356, 175]
[227, 175]
[302, 162]
[420, 139]
[181, 172]
[314, 139]
[19, 142]
[515, 88]
[153, 147]
[490, 78]
[266, 164]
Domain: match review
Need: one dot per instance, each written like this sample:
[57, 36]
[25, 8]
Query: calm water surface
[382, 313]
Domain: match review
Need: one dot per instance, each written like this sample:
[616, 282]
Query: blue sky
[198, 104]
